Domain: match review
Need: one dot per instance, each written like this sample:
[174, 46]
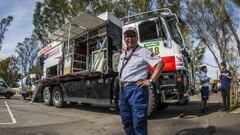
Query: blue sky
[21, 26]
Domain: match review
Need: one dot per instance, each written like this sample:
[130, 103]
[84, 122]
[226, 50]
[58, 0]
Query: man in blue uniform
[225, 78]
[133, 72]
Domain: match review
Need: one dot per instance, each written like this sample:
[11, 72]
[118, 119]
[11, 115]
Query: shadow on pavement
[12, 98]
[92, 108]
[190, 110]
[210, 130]
[40, 130]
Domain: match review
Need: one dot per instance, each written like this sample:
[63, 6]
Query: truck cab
[159, 32]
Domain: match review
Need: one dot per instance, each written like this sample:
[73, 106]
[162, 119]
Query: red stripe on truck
[169, 63]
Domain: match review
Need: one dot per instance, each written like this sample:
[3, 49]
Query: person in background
[204, 83]
[225, 78]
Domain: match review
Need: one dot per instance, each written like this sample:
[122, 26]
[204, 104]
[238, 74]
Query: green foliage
[211, 27]
[142, 5]
[236, 2]
[4, 23]
[9, 71]
[27, 53]
[48, 16]
[51, 14]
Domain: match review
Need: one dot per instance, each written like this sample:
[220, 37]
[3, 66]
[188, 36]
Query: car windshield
[175, 34]
[3, 84]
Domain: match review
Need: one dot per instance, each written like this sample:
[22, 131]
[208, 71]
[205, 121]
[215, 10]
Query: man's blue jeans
[134, 109]
[226, 97]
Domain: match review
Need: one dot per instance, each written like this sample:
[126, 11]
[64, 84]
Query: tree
[4, 23]
[48, 16]
[142, 5]
[208, 26]
[27, 53]
[228, 19]
[51, 14]
[9, 71]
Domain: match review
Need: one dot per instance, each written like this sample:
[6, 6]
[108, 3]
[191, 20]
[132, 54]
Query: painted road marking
[10, 113]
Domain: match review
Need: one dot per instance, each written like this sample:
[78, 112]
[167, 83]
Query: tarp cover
[79, 25]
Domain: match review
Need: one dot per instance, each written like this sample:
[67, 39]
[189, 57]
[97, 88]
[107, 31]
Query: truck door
[163, 32]
[149, 36]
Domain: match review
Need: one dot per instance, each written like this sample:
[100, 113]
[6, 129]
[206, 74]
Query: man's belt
[126, 83]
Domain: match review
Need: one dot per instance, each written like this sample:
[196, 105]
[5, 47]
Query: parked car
[5, 90]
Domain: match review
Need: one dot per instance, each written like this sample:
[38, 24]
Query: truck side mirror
[167, 43]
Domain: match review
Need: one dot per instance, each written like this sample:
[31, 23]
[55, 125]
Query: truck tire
[152, 101]
[47, 96]
[57, 97]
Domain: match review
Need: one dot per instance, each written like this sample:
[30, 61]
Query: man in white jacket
[204, 82]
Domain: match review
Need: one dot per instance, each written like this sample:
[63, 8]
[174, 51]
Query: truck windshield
[148, 31]
[173, 30]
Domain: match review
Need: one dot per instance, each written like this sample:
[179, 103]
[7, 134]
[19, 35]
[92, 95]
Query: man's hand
[142, 83]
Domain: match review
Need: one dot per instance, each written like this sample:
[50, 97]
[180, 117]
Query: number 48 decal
[154, 49]
[153, 46]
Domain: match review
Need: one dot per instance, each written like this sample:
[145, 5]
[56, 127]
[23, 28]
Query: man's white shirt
[203, 77]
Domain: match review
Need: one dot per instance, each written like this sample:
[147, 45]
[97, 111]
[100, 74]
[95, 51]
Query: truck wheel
[47, 96]
[57, 97]
[152, 101]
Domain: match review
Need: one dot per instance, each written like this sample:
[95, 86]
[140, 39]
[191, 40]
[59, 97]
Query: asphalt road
[18, 117]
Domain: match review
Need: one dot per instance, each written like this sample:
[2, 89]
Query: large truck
[80, 66]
